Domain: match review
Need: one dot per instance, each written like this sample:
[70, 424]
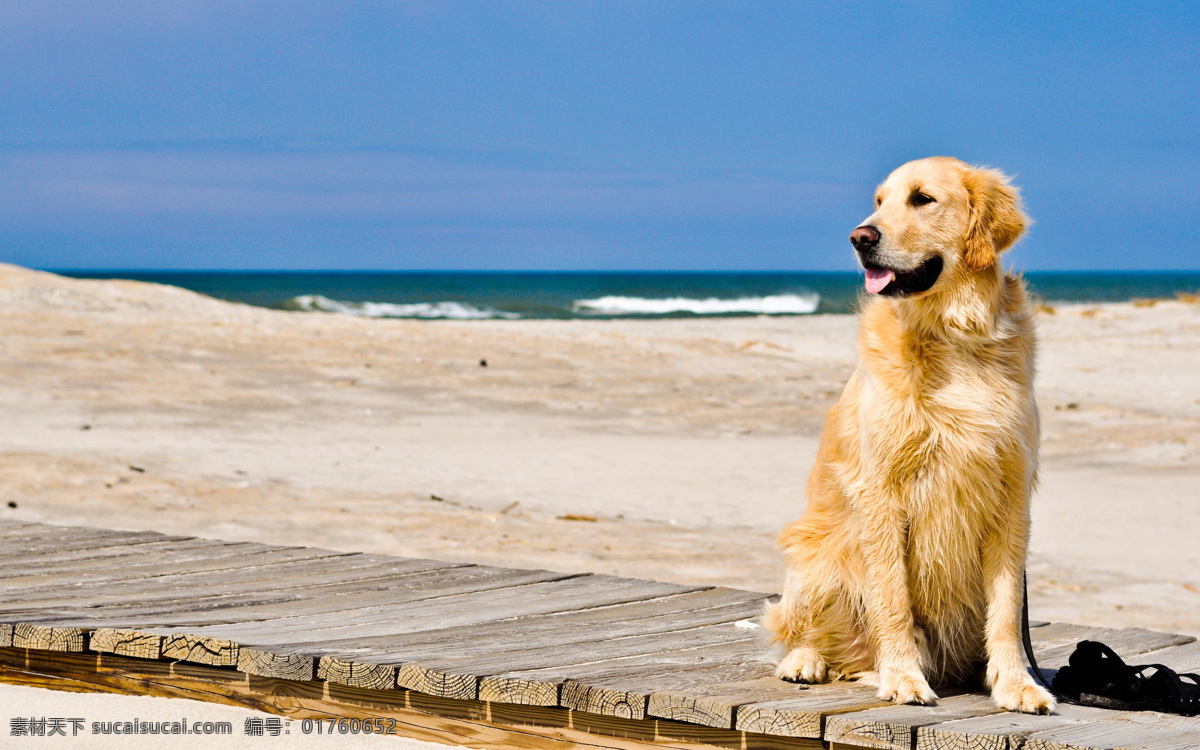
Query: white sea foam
[778, 304]
[448, 310]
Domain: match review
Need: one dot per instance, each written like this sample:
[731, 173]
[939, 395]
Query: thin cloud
[40, 186]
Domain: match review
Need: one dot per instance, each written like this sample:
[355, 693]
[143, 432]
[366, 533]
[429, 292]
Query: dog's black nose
[864, 238]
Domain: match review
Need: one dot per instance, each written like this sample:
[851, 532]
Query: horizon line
[551, 270]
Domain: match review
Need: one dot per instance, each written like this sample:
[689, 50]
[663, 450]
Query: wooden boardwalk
[481, 656]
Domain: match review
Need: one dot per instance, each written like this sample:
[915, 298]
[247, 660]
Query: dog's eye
[919, 199]
[878, 202]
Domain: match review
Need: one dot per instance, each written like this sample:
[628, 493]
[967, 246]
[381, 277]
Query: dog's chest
[945, 416]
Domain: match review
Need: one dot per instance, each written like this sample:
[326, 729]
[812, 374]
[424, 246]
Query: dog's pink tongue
[878, 279]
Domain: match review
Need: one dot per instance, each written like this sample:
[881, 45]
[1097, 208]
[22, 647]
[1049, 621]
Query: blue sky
[580, 135]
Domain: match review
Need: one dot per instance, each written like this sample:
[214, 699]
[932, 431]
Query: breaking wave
[427, 310]
[778, 304]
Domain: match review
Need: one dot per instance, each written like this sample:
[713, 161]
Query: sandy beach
[683, 445]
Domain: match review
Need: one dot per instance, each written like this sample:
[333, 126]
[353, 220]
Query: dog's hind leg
[789, 623]
[817, 621]
[803, 664]
[822, 637]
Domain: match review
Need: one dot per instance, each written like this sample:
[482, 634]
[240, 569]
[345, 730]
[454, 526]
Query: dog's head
[936, 219]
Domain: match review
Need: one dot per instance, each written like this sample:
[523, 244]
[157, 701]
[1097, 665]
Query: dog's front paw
[1021, 694]
[905, 687]
[802, 665]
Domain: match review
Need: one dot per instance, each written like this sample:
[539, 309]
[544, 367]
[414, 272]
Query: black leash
[1028, 641]
[1097, 676]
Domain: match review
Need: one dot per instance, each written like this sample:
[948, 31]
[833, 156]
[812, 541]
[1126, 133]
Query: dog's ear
[996, 219]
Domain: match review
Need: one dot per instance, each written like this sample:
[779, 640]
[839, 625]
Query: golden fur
[907, 564]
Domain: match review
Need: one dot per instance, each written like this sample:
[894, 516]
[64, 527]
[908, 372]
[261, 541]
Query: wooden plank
[702, 710]
[214, 652]
[804, 715]
[557, 593]
[743, 704]
[37, 533]
[619, 703]
[541, 687]
[24, 569]
[355, 674]
[894, 727]
[294, 700]
[1003, 731]
[524, 593]
[1140, 731]
[225, 582]
[168, 561]
[79, 546]
[1184, 658]
[971, 728]
[83, 539]
[126, 643]
[626, 689]
[1062, 633]
[655, 615]
[660, 611]
[38, 536]
[439, 682]
[505, 689]
[560, 630]
[26, 635]
[1009, 730]
[257, 614]
[1054, 643]
[725, 695]
[281, 666]
[298, 659]
[116, 563]
[471, 669]
[79, 543]
[590, 643]
[156, 582]
[467, 723]
[231, 567]
[426, 676]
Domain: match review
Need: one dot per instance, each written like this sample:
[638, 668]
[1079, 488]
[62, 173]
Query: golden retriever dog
[907, 565]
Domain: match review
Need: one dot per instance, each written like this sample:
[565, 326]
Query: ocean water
[515, 295]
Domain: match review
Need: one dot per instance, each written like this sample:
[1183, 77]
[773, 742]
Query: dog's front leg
[1003, 569]
[889, 607]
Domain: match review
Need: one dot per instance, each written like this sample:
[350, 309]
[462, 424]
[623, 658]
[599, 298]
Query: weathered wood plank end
[782, 722]
[895, 727]
[521, 692]
[356, 673]
[299, 667]
[49, 638]
[604, 701]
[199, 649]
[1003, 731]
[692, 709]
[433, 681]
[126, 643]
